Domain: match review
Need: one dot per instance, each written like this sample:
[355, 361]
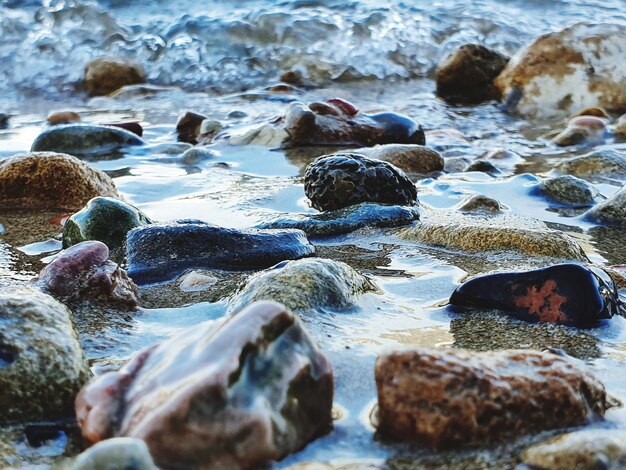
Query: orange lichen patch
[543, 302]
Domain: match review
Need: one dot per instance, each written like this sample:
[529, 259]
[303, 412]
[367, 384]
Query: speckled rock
[610, 212]
[105, 219]
[479, 203]
[569, 190]
[307, 284]
[563, 72]
[343, 179]
[582, 130]
[85, 140]
[467, 74]
[115, 454]
[105, 75]
[162, 251]
[591, 449]
[235, 394]
[42, 366]
[607, 163]
[62, 117]
[454, 398]
[414, 159]
[50, 181]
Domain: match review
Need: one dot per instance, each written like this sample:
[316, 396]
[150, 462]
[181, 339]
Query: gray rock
[607, 163]
[610, 212]
[193, 156]
[569, 190]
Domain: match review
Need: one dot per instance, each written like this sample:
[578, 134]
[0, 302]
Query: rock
[343, 179]
[105, 75]
[561, 73]
[610, 212]
[580, 450]
[479, 203]
[587, 130]
[620, 127]
[105, 219]
[415, 159]
[85, 140]
[467, 74]
[480, 233]
[608, 163]
[567, 294]
[483, 166]
[188, 127]
[597, 112]
[50, 181]
[42, 366]
[454, 398]
[83, 272]
[195, 281]
[161, 252]
[115, 454]
[569, 190]
[62, 117]
[4, 121]
[130, 126]
[193, 156]
[338, 122]
[304, 285]
[238, 394]
[346, 220]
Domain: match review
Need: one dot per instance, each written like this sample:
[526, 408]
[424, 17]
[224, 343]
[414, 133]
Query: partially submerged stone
[479, 203]
[412, 159]
[610, 212]
[42, 366]
[484, 166]
[50, 181]
[582, 130]
[455, 398]
[105, 75]
[62, 117]
[608, 163]
[238, 394]
[188, 126]
[569, 190]
[194, 156]
[620, 127]
[115, 454]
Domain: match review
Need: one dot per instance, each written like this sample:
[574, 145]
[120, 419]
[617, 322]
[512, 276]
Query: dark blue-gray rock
[610, 212]
[346, 220]
[344, 179]
[85, 140]
[161, 252]
[569, 190]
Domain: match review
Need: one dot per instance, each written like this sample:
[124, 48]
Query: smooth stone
[569, 190]
[62, 117]
[84, 140]
[483, 166]
[607, 163]
[193, 156]
[610, 212]
[456, 398]
[232, 394]
[479, 203]
[586, 130]
[130, 126]
[467, 74]
[160, 252]
[346, 220]
[42, 366]
[414, 159]
[195, 281]
[305, 285]
[119, 453]
[593, 111]
[105, 75]
[188, 126]
[343, 179]
[105, 219]
[50, 181]
[620, 127]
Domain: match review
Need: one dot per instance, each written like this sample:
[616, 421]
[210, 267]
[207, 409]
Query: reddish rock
[62, 117]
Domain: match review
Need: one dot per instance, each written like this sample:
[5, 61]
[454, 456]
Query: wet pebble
[620, 127]
[582, 130]
[483, 166]
[188, 126]
[610, 212]
[62, 117]
[412, 159]
[194, 156]
[569, 190]
[609, 163]
[478, 203]
[105, 75]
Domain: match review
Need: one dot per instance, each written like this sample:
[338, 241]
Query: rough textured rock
[453, 398]
[306, 284]
[343, 179]
[607, 163]
[62, 117]
[620, 127]
[467, 74]
[105, 219]
[569, 190]
[115, 454]
[585, 130]
[85, 140]
[161, 252]
[50, 181]
[42, 366]
[610, 212]
[238, 394]
[479, 203]
[414, 159]
[105, 75]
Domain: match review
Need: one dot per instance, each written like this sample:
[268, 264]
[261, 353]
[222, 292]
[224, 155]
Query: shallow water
[220, 57]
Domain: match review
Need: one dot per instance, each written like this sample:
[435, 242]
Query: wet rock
[195, 281]
[105, 219]
[608, 163]
[115, 454]
[610, 212]
[188, 127]
[193, 156]
[567, 294]
[130, 126]
[476, 233]
[62, 117]
[50, 181]
[85, 140]
[447, 399]
[569, 190]
[346, 220]
[479, 203]
[467, 74]
[456, 164]
[484, 166]
[343, 179]
[160, 252]
[4, 120]
[414, 159]
[105, 75]
[238, 394]
[585, 130]
[563, 72]
[42, 366]
[581, 450]
[338, 122]
[620, 127]
[304, 285]
[84, 272]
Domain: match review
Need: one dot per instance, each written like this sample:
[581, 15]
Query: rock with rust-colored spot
[105, 75]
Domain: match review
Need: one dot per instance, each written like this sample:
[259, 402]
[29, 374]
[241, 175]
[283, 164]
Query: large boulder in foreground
[236, 394]
[561, 73]
[105, 75]
[453, 398]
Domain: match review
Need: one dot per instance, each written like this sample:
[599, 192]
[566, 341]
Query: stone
[85, 140]
[115, 454]
[620, 127]
[343, 179]
[62, 117]
[456, 398]
[483, 166]
[346, 220]
[561, 73]
[607, 163]
[466, 74]
[593, 111]
[188, 127]
[130, 126]
[195, 281]
[50, 181]
[610, 212]
[569, 190]
[194, 156]
[105, 75]
[107, 220]
[412, 159]
[236, 394]
[42, 366]
[160, 252]
[582, 130]
[305, 285]
[479, 203]
[4, 121]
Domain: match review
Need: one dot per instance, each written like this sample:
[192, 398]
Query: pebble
[105, 75]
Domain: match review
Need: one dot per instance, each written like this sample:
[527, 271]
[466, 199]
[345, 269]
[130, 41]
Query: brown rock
[104, 75]
[130, 126]
[62, 117]
[582, 130]
[597, 112]
[46, 180]
[413, 159]
[453, 398]
[620, 127]
[188, 127]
